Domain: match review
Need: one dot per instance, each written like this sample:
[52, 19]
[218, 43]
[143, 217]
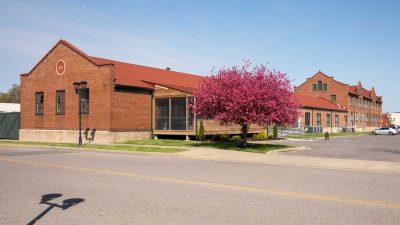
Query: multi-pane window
[319, 85]
[173, 114]
[307, 119]
[328, 120]
[84, 95]
[336, 120]
[60, 102]
[318, 119]
[333, 98]
[356, 116]
[39, 103]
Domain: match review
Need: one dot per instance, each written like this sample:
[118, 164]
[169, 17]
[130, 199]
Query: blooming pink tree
[245, 95]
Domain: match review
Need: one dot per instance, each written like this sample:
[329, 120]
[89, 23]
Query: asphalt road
[371, 147]
[113, 188]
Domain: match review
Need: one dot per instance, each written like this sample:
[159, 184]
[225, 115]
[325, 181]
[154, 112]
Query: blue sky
[350, 40]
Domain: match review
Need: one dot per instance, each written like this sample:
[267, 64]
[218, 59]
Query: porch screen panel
[162, 114]
[190, 125]
[178, 113]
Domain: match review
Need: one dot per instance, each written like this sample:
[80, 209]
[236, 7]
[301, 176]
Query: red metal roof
[139, 76]
[147, 77]
[318, 102]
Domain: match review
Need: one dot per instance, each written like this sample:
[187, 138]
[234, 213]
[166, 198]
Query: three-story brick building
[364, 106]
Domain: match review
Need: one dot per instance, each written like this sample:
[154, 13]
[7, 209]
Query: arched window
[319, 85]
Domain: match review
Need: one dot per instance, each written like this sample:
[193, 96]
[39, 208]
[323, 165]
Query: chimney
[168, 68]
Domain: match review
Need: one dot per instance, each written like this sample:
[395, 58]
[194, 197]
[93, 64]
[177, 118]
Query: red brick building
[364, 106]
[119, 104]
[122, 101]
[127, 101]
[320, 112]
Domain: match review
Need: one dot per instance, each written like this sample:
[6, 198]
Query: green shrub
[262, 135]
[225, 137]
[255, 137]
[275, 132]
[216, 137]
[236, 138]
[270, 136]
[201, 135]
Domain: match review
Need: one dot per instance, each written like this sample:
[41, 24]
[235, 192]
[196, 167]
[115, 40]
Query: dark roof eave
[336, 110]
[177, 88]
[132, 86]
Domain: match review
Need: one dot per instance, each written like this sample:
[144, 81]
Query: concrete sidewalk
[271, 158]
[275, 158]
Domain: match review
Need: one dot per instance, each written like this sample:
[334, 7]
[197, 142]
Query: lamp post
[79, 87]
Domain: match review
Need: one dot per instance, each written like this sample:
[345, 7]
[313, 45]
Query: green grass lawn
[96, 146]
[322, 135]
[163, 142]
[256, 148]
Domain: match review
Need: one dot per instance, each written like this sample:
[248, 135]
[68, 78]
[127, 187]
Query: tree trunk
[244, 141]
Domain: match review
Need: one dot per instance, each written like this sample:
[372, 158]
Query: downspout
[151, 115]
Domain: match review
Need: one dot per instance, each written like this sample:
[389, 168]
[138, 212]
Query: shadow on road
[49, 197]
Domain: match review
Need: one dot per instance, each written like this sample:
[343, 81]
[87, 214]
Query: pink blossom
[245, 95]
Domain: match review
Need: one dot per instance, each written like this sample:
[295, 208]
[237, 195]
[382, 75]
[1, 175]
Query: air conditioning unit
[315, 129]
[347, 129]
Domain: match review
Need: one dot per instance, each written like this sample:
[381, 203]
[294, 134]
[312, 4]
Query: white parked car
[396, 128]
[386, 131]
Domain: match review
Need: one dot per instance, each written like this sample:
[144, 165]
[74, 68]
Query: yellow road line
[210, 159]
[211, 184]
[270, 163]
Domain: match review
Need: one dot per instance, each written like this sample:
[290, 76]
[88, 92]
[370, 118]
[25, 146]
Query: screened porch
[173, 114]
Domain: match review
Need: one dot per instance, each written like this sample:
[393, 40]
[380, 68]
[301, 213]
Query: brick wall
[45, 79]
[342, 98]
[130, 111]
[313, 119]
[333, 88]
